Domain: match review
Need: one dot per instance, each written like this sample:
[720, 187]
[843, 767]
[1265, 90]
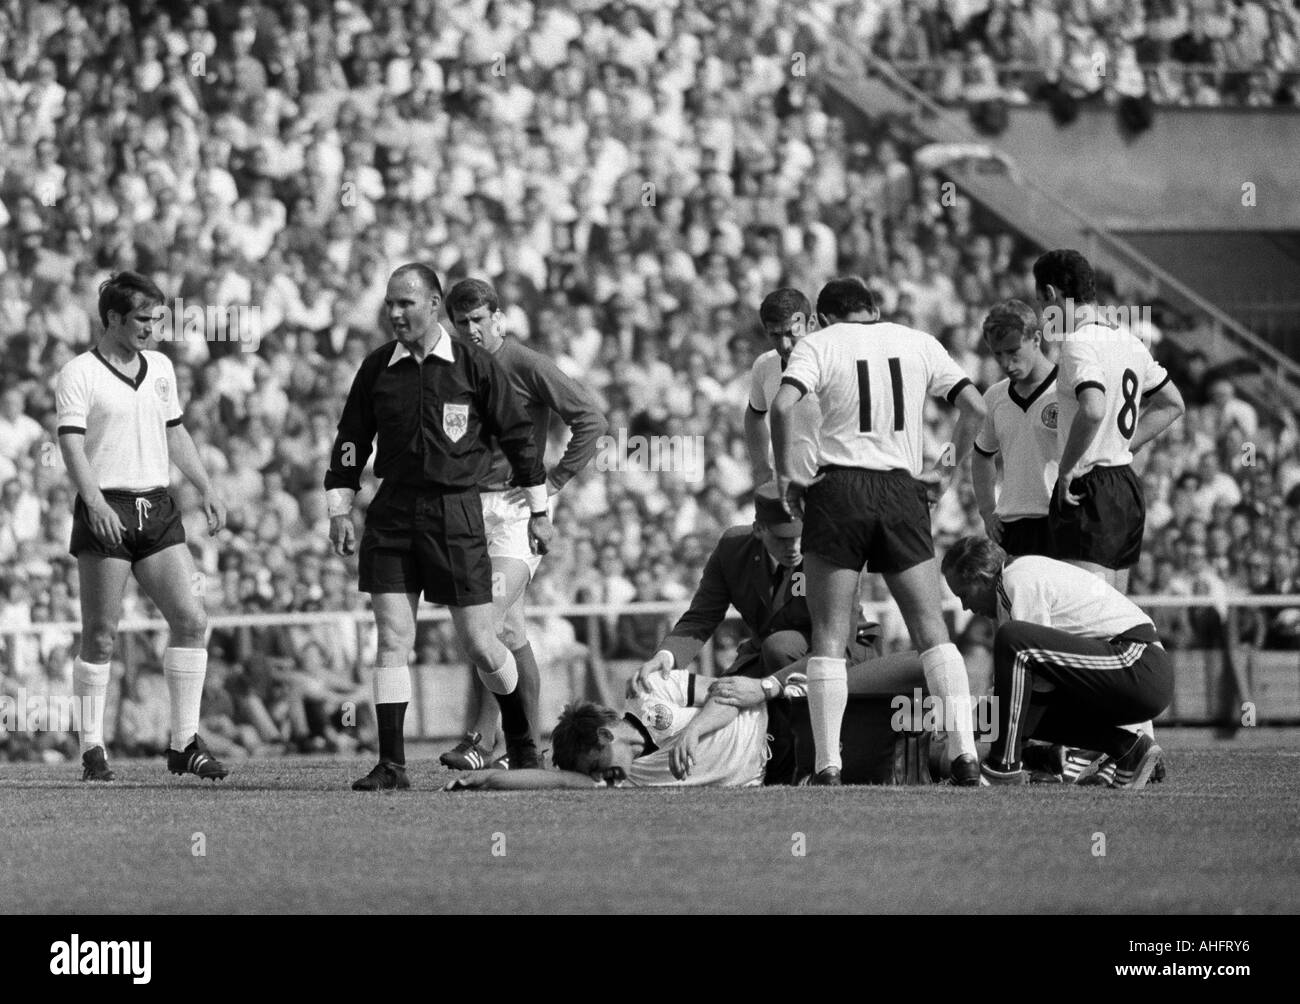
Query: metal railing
[361, 621]
[1218, 680]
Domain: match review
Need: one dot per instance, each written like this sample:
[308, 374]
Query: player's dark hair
[1069, 272]
[578, 732]
[121, 293]
[974, 559]
[427, 275]
[782, 304]
[1010, 317]
[845, 295]
[468, 295]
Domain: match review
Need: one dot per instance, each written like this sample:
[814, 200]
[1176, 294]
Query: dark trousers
[771, 655]
[1098, 685]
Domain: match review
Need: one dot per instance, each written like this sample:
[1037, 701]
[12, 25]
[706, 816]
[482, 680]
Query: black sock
[317, 720]
[514, 717]
[530, 684]
[390, 718]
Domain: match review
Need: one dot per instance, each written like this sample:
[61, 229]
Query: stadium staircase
[870, 87]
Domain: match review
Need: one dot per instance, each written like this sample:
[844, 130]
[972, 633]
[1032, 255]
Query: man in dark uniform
[759, 571]
[435, 405]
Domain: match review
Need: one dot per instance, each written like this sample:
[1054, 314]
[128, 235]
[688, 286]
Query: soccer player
[1021, 425]
[868, 506]
[1098, 512]
[434, 405]
[681, 730]
[475, 312]
[786, 316]
[1074, 660]
[120, 427]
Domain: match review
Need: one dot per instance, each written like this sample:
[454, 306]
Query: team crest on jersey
[162, 387]
[455, 420]
[661, 717]
[1049, 415]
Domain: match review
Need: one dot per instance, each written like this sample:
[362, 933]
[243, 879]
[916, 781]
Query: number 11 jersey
[871, 381]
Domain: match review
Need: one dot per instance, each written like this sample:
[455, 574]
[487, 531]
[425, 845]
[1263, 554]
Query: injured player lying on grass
[683, 729]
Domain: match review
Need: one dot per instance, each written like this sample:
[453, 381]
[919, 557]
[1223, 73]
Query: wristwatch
[771, 687]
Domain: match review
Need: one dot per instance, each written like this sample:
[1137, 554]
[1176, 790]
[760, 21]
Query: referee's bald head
[421, 271]
[411, 303]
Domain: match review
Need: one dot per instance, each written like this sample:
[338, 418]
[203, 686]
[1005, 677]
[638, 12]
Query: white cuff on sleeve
[338, 501]
[537, 498]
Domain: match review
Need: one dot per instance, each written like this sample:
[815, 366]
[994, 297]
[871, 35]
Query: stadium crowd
[1170, 52]
[633, 178]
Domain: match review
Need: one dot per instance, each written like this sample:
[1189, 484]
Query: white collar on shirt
[442, 348]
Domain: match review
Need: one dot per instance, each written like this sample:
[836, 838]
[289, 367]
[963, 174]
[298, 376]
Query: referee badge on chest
[455, 420]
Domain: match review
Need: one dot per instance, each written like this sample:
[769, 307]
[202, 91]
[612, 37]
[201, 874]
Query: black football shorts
[1029, 535]
[423, 540]
[1106, 526]
[151, 518]
[855, 517]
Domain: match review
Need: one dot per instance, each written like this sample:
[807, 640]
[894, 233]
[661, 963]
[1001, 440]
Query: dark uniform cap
[769, 512]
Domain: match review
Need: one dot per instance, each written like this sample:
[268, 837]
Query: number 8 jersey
[1114, 361]
[871, 381]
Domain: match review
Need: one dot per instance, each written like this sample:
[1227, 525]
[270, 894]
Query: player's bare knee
[97, 643]
[513, 632]
[511, 637]
[481, 647]
[189, 628]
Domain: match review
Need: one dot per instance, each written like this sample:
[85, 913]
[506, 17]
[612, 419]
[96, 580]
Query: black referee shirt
[434, 419]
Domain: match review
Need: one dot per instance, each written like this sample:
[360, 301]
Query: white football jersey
[871, 381]
[1023, 430]
[764, 382]
[1063, 596]
[735, 756]
[1115, 361]
[125, 421]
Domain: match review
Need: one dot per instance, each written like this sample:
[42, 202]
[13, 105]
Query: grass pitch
[287, 835]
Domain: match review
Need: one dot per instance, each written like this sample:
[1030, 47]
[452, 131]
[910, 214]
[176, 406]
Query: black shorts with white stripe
[1077, 691]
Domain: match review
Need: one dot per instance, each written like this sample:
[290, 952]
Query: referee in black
[436, 405]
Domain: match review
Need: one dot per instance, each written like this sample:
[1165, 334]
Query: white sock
[1141, 729]
[828, 697]
[184, 670]
[505, 679]
[945, 675]
[392, 685]
[90, 687]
